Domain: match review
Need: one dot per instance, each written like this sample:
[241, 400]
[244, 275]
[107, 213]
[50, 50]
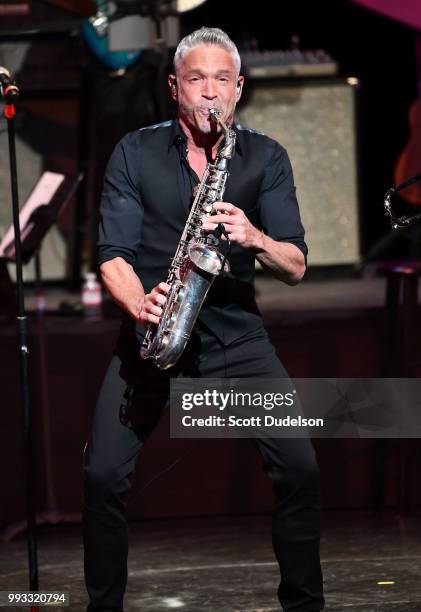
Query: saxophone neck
[227, 147]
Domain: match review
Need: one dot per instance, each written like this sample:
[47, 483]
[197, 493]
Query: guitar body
[409, 162]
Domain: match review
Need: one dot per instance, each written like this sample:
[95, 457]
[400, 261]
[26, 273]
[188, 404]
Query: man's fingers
[212, 222]
[156, 310]
[154, 303]
[163, 287]
[152, 318]
[225, 206]
[148, 317]
[221, 219]
[211, 227]
[152, 313]
[160, 299]
[207, 227]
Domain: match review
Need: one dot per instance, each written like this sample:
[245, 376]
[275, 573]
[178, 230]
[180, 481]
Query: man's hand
[237, 226]
[283, 259]
[153, 304]
[125, 288]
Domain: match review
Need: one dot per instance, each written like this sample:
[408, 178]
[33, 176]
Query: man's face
[207, 78]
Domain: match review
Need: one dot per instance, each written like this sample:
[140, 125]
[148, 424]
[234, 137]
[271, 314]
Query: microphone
[9, 89]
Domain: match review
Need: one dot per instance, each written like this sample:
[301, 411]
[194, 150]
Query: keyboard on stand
[287, 64]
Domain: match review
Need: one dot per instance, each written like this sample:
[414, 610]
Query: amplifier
[316, 122]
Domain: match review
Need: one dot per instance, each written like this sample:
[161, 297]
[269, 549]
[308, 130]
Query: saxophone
[196, 263]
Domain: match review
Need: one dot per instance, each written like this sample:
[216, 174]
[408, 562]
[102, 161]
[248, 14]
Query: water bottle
[92, 297]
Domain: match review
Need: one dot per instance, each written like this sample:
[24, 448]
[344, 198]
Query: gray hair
[206, 36]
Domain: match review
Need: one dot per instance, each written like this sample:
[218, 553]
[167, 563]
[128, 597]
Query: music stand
[46, 202]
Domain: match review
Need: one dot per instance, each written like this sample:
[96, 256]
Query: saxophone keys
[180, 294]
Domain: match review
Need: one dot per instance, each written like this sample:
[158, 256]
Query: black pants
[131, 401]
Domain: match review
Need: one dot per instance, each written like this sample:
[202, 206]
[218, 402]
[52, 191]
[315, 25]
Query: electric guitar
[409, 161]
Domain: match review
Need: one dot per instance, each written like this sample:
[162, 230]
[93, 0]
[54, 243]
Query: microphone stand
[10, 94]
[397, 222]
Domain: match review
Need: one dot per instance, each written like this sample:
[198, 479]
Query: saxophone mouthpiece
[214, 113]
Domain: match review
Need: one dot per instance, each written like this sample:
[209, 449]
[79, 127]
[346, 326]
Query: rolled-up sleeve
[121, 211]
[277, 206]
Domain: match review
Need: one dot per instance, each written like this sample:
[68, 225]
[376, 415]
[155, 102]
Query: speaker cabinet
[316, 122]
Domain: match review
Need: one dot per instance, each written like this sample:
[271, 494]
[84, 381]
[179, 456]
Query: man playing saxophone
[148, 190]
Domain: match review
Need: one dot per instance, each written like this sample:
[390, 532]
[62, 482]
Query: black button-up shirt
[145, 203]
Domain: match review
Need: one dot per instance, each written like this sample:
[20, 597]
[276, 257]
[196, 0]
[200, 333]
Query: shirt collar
[178, 137]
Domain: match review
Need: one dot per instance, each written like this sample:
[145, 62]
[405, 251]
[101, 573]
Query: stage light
[187, 5]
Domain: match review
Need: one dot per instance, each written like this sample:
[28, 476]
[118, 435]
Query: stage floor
[226, 564]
